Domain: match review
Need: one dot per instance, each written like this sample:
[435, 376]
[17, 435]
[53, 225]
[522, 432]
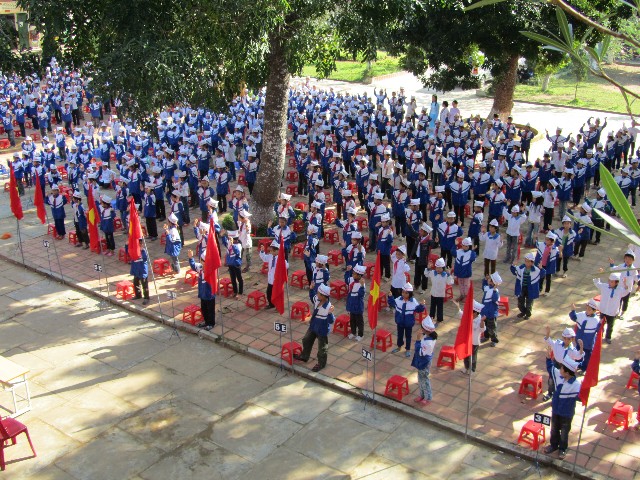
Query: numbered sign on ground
[367, 354]
[97, 267]
[45, 243]
[280, 327]
[172, 295]
[543, 419]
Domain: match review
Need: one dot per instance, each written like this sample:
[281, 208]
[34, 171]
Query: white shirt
[271, 260]
[492, 244]
[398, 269]
[439, 282]
[514, 223]
[610, 298]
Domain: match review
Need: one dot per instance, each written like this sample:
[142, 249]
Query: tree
[544, 68]
[13, 58]
[599, 22]
[159, 52]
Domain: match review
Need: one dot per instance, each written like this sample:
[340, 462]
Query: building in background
[11, 14]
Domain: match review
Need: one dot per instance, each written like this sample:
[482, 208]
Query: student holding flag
[79, 220]
[205, 294]
[319, 327]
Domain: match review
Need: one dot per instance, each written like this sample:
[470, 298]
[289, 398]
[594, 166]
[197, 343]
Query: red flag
[374, 295]
[92, 222]
[212, 260]
[280, 278]
[135, 232]
[38, 201]
[593, 369]
[464, 342]
[16, 204]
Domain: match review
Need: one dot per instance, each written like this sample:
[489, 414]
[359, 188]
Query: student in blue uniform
[173, 243]
[207, 298]
[355, 302]
[405, 306]
[527, 288]
[546, 258]
[57, 203]
[107, 217]
[233, 260]
[462, 267]
[149, 211]
[140, 273]
[588, 323]
[422, 357]
[80, 220]
[319, 326]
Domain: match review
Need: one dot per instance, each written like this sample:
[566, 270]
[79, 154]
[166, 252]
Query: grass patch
[348, 71]
[593, 93]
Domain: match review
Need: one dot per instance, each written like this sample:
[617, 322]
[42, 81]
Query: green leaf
[618, 200]
[563, 23]
[597, 229]
[548, 41]
[482, 3]
[621, 229]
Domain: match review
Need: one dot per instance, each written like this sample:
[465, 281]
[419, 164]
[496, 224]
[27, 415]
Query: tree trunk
[504, 89]
[545, 82]
[267, 187]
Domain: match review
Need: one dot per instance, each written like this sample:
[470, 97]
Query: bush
[227, 222]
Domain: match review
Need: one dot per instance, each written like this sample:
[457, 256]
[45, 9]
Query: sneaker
[520, 315]
[358, 338]
[424, 402]
[562, 454]
[418, 399]
[299, 358]
[544, 294]
[549, 449]
[208, 328]
[145, 301]
[546, 397]
[464, 371]
[316, 368]
[395, 350]
[78, 245]
[564, 275]
[493, 344]
[407, 353]
[607, 341]
[351, 336]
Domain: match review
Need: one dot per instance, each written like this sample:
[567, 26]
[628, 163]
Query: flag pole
[289, 321]
[575, 460]
[220, 304]
[466, 424]
[20, 240]
[373, 380]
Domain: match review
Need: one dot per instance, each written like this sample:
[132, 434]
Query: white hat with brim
[496, 278]
[568, 332]
[324, 290]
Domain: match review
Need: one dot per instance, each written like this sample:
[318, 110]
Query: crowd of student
[417, 176]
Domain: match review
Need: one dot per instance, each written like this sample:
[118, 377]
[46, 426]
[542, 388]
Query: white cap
[441, 263]
[451, 215]
[494, 222]
[285, 196]
[515, 209]
[499, 183]
[378, 196]
[478, 204]
[356, 235]
[425, 226]
[275, 244]
[602, 192]
[440, 189]
[530, 256]
[568, 332]
[346, 193]
[587, 208]
[239, 189]
[594, 304]
[320, 182]
[352, 211]
[360, 269]
[312, 228]
[212, 203]
[407, 287]
[497, 279]
[244, 213]
[427, 323]
[553, 182]
[467, 242]
[55, 187]
[172, 218]
[566, 218]
[551, 235]
[477, 306]
[402, 249]
[176, 193]
[415, 201]
[385, 218]
[536, 194]
[324, 290]
[615, 276]
[322, 259]
[569, 363]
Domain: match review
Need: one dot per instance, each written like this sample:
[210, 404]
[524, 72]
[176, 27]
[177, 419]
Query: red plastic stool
[298, 248]
[365, 242]
[363, 223]
[299, 279]
[448, 292]
[290, 349]
[339, 289]
[117, 224]
[256, 300]
[226, 288]
[383, 340]
[292, 189]
[4, 143]
[124, 290]
[330, 216]
[300, 311]
[73, 238]
[298, 226]
[370, 267]
[397, 387]
[447, 357]
[342, 325]
[633, 380]
[51, 230]
[144, 230]
[419, 316]
[301, 206]
[161, 266]
[620, 415]
[384, 301]
[352, 186]
[265, 268]
[292, 176]
[503, 306]
[331, 236]
[123, 256]
[242, 180]
[192, 314]
[191, 277]
[292, 161]
[265, 242]
[432, 260]
[103, 244]
[531, 385]
[532, 434]
[163, 239]
[335, 257]
[35, 137]
[467, 210]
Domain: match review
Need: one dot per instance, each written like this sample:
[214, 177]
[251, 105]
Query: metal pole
[155, 285]
[20, 241]
[466, 425]
[221, 314]
[289, 321]
[575, 460]
[373, 380]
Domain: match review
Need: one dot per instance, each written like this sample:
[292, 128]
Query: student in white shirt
[492, 243]
[399, 269]
[514, 222]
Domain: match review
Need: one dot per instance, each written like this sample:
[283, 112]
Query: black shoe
[300, 359]
[209, 327]
[562, 454]
[270, 306]
[201, 325]
[316, 368]
[527, 317]
[145, 301]
[549, 449]
[520, 315]
[546, 397]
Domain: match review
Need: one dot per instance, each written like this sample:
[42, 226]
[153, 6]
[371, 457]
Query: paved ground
[117, 396]
[497, 411]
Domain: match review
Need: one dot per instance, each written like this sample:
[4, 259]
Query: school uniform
[107, 216]
[271, 260]
[80, 222]
[471, 361]
[448, 233]
[490, 299]
[399, 269]
[566, 239]
[319, 326]
[140, 272]
[588, 326]
[439, 283]
[149, 212]
[421, 361]
[527, 287]
[57, 203]
[383, 245]
[233, 260]
[547, 259]
[610, 299]
[492, 244]
[173, 246]
[405, 311]
[355, 307]
[207, 298]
